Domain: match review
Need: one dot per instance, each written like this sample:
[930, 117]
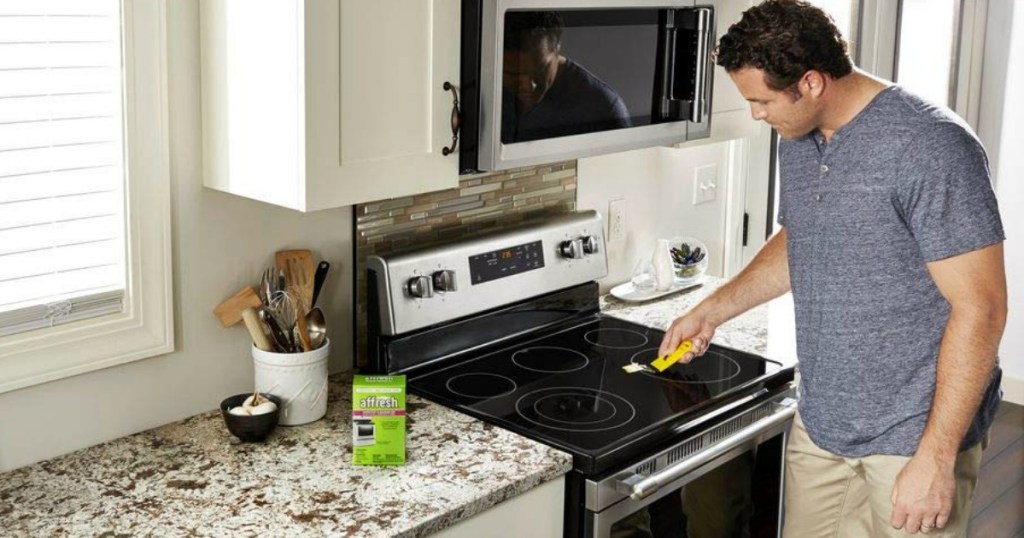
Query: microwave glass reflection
[575, 72]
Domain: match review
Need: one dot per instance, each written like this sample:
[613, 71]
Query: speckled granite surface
[193, 478]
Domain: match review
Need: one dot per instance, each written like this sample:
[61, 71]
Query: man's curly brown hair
[785, 39]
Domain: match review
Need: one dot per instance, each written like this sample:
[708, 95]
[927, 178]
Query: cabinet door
[376, 127]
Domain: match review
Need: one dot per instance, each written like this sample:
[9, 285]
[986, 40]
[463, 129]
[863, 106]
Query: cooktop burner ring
[501, 380]
[571, 353]
[607, 398]
[588, 336]
[653, 352]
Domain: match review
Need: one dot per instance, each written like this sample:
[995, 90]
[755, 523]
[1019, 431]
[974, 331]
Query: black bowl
[250, 428]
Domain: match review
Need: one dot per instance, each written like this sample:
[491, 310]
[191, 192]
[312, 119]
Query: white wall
[1000, 128]
[657, 186]
[221, 243]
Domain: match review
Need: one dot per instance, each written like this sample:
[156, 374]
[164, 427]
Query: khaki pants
[833, 496]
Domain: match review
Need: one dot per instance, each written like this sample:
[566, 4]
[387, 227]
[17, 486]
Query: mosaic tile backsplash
[480, 204]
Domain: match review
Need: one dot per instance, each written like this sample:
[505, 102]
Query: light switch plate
[705, 184]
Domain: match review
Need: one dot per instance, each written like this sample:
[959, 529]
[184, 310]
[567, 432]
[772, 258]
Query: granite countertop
[194, 478]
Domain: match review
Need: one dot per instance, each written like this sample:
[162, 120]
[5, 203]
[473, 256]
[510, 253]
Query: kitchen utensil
[297, 266]
[301, 328]
[252, 323]
[282, 343]
[229, 312]
[269, 284]
[662, 363]
[282, 309]
[317, 326]
[250, 428]
[318, 281]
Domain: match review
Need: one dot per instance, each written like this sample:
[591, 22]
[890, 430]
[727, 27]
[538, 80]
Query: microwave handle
[682, 109]
[702, 87]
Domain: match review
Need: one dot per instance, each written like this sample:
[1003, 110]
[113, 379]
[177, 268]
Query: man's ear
[812, 83]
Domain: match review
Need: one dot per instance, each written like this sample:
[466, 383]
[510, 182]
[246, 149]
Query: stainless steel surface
[493, 155]
[572, 249]
[317, 326]
[402, 311]
[701, 95]
[421, 286]
[444, 280]
[641, 487]
[776, 413]
[601, 494]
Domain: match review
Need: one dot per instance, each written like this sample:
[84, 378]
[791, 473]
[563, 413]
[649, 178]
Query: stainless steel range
[506, 328]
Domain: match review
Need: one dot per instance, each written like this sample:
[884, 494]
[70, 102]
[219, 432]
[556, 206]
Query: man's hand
[922, 497]
[692, 326]
[764, 278]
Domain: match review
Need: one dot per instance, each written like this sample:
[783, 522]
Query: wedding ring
[927, 526]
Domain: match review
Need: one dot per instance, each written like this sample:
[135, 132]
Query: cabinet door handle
[456, 119]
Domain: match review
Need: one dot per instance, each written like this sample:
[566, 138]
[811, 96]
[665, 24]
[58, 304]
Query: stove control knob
[444, 280]
[420, 286]
[590, 244]
[572, 249]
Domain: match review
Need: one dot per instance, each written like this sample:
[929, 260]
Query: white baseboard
[1013, 389]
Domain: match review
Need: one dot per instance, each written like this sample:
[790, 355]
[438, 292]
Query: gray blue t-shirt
[902, 184]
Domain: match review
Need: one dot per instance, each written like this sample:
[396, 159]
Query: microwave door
[683, 81]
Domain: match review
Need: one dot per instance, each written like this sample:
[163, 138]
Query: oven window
[574, 72]
[738, 498]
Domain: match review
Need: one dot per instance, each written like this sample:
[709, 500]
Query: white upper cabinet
[317, 104]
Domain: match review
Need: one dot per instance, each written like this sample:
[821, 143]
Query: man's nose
[526, 84]
[758, 112]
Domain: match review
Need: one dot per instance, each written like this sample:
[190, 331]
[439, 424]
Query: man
[891, 243]
[545, 94]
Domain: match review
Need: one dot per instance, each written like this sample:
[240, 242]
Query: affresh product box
[378, 419]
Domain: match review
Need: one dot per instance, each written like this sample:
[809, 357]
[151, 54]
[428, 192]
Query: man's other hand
[922, 497]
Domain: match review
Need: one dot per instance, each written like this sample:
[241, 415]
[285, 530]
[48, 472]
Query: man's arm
[975, 286]
[763, 279]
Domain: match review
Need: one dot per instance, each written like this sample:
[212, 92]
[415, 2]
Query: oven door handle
[639, 487]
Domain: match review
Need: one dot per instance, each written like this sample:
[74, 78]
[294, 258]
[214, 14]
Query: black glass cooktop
[568, 389]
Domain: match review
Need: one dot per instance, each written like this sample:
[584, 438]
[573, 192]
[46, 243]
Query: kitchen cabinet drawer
[317, 104]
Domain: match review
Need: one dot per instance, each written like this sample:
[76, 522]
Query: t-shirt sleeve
[945, 195]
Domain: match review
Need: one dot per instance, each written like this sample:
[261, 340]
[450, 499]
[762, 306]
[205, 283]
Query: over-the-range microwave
[551, 80]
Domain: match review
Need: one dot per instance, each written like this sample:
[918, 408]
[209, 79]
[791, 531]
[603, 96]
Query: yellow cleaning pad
[662, 363]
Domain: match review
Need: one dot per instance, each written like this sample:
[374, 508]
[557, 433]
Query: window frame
[145, 327]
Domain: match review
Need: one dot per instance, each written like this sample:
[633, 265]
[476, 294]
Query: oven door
[730, 487]
[562, 79]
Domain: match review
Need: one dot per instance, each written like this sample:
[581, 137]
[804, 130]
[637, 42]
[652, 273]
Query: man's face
[528, 74]
[791, 115]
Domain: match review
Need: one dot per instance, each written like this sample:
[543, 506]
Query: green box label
[378, 420]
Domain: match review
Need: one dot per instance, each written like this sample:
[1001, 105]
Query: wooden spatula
[297, 266]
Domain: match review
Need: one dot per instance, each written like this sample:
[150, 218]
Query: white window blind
[62, 173]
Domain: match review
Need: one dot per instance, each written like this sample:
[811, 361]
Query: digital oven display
[505, 262]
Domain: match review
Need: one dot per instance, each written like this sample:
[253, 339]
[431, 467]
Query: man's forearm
[975, 286]
[967, 357]
[763, 279]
